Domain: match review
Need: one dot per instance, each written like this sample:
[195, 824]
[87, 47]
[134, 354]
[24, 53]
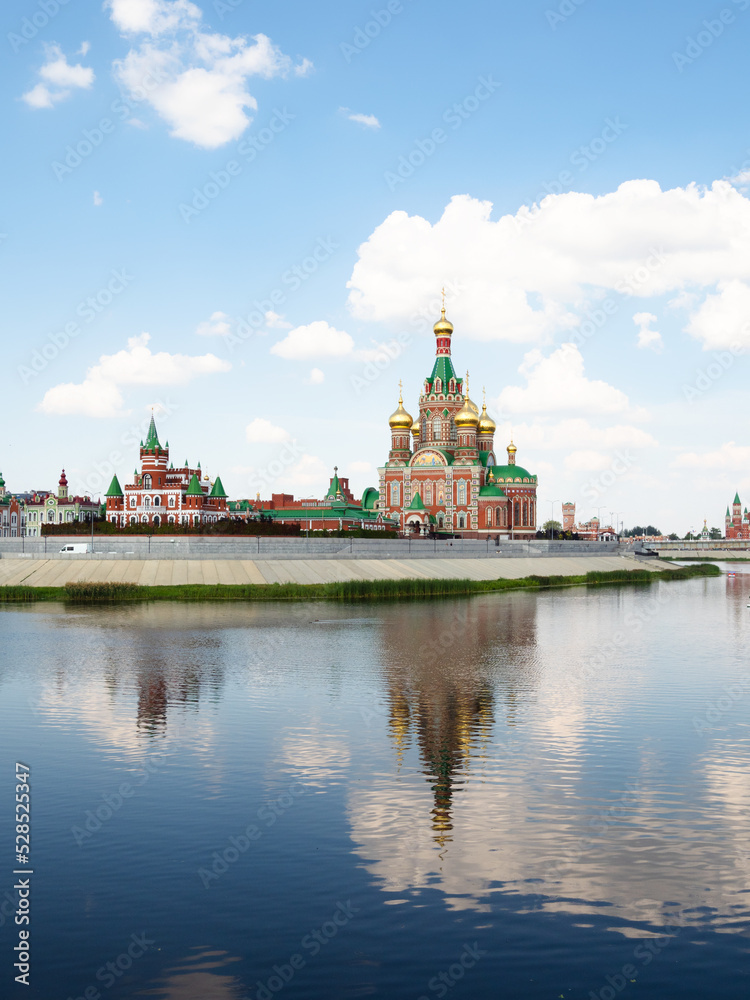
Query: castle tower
[62, 487]
[569, 516]
[441, 397]
[512, 453]
[737, 511]
[401, 424]
[154, 460]
[115, 502]
[467, 423]
[486, 430]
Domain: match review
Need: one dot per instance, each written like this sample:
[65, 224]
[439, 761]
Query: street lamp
[552, 518]
[618, 514]
[92, 518]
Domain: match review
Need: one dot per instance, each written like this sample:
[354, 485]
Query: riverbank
[350, 590]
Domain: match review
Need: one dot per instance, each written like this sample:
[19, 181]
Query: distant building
[589, 531]
[12, 513]
[442, 473]
[737, 524]
[58, 508]
[161, 494]
[337, 511]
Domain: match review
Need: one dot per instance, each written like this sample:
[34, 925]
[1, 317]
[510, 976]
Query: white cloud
[98, 200]
[217, 326]
[195, 81]
[729, 457]
[58, 78]
[369, 121]
[557, 385]
[316, 340]
[309, 477]
[575, 433]
[261, 431]
[276, 322]
[316, 377]
[723, 319]
[522, 276]
[648, 339]
[99, 394]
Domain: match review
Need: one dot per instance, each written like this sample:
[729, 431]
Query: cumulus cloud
[99, 394]
[315, 340]
[729, 457]
[648, 339]
[58, 78]
[723, 319]
[261, 431]
[557, 385]
[196, 81]
[218, 325]
[98, 200]
[524, 277]
[368, 121]
[274, 321]
[316, 377]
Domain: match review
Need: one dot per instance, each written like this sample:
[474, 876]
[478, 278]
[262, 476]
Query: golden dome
[400, 420]
[416, 428]
[486, 424]
[443, 327]
[512, 449]
[467, 415]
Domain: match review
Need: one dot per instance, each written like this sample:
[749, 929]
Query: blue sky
[176, 162]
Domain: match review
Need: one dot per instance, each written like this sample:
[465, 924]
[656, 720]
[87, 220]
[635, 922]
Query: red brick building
[737, 524]
[442, 472]
[161, 494]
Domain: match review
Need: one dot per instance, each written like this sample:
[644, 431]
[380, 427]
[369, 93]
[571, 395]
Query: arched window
[489, 517]
[461, 492]
[144, 518]
[147, 482]
[395, 494]
[157, 520]
[438, 385]
[525, 514]
[517, 513]
[428, 494]
[147, 501]
[157, 501]
[134, 520]
[498, 516]
[532, 514]
[441, 494]
[461, 521]
[437, 429]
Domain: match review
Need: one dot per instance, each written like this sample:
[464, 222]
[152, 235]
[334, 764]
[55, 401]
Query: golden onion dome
[400, 420]
[512, 449]
[466, 416]
[443, 327]
[416, 428]
[486, 424]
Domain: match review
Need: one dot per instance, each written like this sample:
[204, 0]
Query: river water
[516, 795]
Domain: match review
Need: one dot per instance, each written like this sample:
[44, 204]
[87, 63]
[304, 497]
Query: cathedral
[442, 473]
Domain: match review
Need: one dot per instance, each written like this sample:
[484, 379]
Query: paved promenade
[173, 572]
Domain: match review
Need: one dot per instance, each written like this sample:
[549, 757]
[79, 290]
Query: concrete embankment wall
[174, 572]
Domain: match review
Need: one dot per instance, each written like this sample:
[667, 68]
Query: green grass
[353, 590]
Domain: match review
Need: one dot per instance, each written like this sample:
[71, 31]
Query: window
[525, 514]
[69, 515]
[157, 501]
[144, 518]
[132, 501]
[147, 501]
[498, 516]
[461, 493]
[171, 518]
[437, 425]
[171, 501]
[184, 519]
[147, 482]
[461, 521]
[489, 517]
[428, 494]
[517, 513]
[441, 494]
[395, 495]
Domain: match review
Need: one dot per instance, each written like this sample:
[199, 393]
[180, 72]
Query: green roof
[511, 472]
[217, 490]
[194, 489]
[444, 370]
[737, 498]
[416, 503]
[369, 498]
[335, 488]
[490, 490]
[115, 490]
[152, 439]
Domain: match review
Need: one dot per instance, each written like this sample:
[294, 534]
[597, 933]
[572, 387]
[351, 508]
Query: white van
[79, 547]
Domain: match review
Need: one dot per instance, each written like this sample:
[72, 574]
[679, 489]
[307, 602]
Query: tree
[674, 537]
[551, 526]
[639, 530]
[715, 534]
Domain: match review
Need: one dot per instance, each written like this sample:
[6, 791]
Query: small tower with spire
[467, 422]
[62, 487]
[486, 430]
[154, 459]
[401, 424]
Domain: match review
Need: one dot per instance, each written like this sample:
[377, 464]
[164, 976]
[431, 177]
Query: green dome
[511, 472]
